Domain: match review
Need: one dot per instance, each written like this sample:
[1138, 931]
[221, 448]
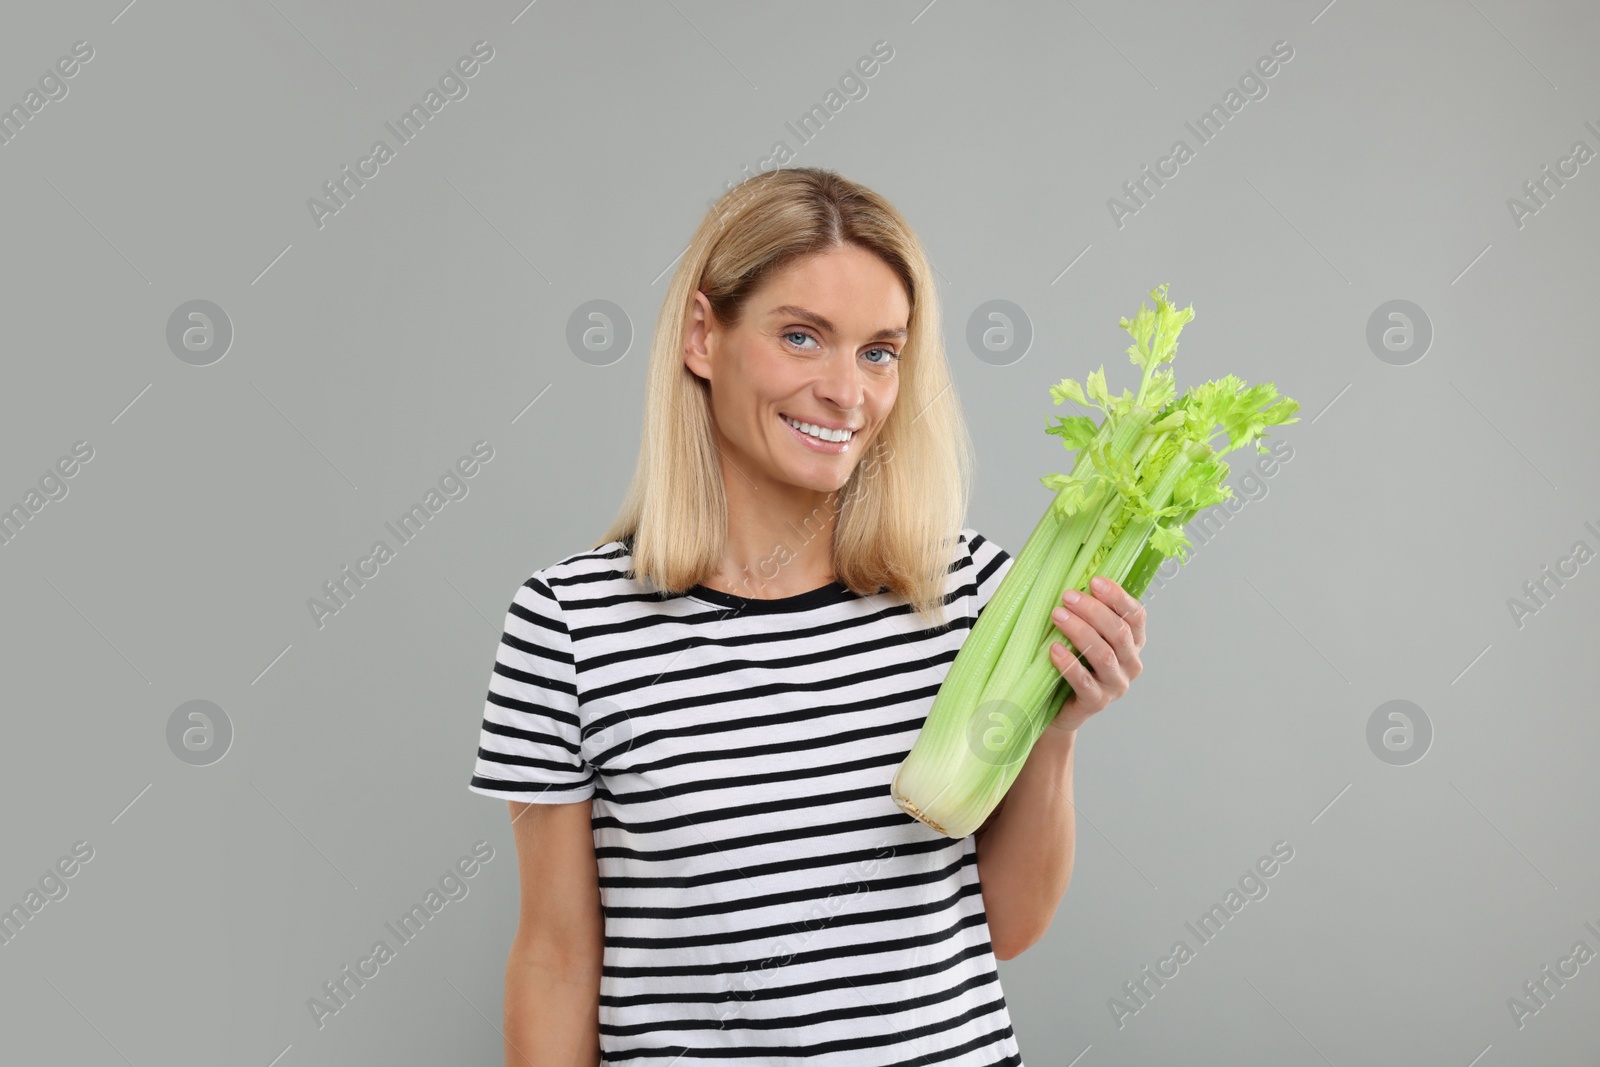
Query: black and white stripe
[765, 901]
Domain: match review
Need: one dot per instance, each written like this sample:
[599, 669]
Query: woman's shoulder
[982, 566]
[973, 548]
[608, 562]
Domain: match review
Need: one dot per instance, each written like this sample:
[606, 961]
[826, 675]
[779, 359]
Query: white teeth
[818, 432]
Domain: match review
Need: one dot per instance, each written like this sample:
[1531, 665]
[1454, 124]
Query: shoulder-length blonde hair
[899, 515]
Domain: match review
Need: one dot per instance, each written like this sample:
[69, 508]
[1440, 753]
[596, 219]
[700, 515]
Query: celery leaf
[1069, 389]
[1075, 431]
[1097, 387]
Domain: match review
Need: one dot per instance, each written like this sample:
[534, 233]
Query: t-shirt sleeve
[989, 565]
[529, 746]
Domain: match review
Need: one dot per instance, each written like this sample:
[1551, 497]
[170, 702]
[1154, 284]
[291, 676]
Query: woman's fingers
[1082, 679]
[1107, 641]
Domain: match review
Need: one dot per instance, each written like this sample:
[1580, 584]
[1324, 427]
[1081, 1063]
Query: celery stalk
[1137, 477]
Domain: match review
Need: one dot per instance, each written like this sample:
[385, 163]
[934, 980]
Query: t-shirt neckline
[831, 593]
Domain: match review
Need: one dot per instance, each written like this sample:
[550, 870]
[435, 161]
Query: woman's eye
[798, 337]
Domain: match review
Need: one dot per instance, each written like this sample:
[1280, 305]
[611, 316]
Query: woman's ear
[699, 337]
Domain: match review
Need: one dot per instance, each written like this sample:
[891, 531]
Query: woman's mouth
[832, 442]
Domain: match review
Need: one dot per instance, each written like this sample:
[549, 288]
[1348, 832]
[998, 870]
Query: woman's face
[819, 344]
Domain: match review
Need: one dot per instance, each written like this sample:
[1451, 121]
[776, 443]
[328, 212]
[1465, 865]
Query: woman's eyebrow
[821, 323]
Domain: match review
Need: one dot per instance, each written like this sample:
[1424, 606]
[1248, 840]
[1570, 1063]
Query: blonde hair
[897, 537]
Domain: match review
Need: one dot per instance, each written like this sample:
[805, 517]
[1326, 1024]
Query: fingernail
[1059, 615]
[1100, 585]
[1071, 596]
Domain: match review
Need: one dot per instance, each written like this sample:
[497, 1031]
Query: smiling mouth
[821, 434]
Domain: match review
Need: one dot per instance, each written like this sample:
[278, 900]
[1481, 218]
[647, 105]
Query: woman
[696, 721]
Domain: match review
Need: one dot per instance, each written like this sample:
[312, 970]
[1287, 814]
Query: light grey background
[432, 312]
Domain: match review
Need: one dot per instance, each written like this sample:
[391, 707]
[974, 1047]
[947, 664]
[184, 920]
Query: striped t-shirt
[765, 900]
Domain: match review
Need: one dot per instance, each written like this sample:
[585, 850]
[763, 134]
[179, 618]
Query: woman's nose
[840, 382]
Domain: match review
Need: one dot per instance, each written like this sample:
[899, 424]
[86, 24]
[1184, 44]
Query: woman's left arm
[1025, 847]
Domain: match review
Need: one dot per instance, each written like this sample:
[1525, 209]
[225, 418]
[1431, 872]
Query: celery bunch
[1139, 475]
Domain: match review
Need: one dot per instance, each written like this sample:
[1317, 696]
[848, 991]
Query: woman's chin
[821, 479]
